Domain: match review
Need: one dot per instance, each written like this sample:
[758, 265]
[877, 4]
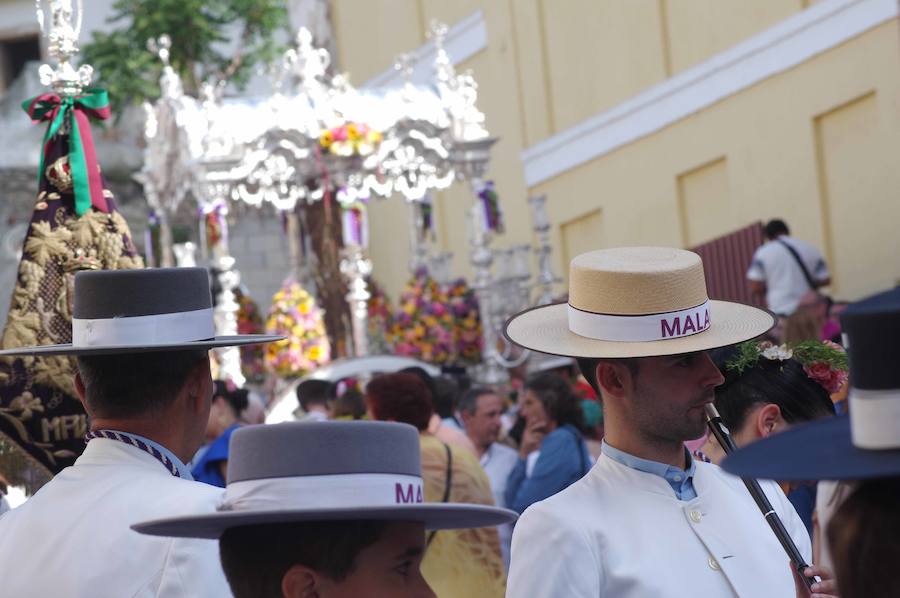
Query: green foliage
[747, 356]
[810, 352]
[806, 352]
[200, 31]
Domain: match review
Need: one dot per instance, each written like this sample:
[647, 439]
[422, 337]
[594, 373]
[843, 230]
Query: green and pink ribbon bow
[93, 103]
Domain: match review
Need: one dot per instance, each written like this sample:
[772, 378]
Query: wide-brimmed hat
[865, 444]
[325, 471]
[636, 302]
[137, 311]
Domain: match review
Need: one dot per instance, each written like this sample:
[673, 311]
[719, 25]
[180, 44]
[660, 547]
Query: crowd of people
[594, 476]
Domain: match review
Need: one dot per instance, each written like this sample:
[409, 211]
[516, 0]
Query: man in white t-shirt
[481, 409]
[776, 270]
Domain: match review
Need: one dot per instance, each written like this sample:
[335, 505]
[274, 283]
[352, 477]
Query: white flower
[779, 353]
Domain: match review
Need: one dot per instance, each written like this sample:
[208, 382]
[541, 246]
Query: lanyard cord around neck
[113, 435]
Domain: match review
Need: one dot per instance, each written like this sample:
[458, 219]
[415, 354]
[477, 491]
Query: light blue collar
[680, 480]
[183, 470]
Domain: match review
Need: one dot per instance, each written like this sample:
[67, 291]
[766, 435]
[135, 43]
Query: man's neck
[148, 428]
[668, 452]
[480, 448]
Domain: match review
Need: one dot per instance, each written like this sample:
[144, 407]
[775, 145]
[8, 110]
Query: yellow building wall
[697, 29]
[816, 145]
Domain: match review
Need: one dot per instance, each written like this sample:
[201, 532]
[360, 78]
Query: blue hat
[865, 444]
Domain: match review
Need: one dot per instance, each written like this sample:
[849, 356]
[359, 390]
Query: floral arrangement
[249, 321]
[350, 139]
[294, 314]
[467, 320]
[380, 319]
[437, 325]
[824, 362]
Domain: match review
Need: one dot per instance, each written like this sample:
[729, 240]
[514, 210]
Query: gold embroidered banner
[39, 410]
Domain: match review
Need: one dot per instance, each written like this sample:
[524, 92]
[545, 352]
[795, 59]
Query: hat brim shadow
[69, 349]
[545, 329]
[821, 450]
[435, 516]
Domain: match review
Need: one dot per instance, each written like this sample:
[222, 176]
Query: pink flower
[834, 346]
[831, 380]
[837, 381]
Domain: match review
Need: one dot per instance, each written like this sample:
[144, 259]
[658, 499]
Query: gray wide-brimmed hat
[138, 311]
[325, 471]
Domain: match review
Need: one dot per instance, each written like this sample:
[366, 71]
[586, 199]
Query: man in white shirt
[785, 269]
[141, 339]
[481, 409]
[647, 520]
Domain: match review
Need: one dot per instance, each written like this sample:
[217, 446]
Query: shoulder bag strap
[796, 256]
[448, 481]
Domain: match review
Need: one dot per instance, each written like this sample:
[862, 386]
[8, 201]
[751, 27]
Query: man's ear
[614, 379]
[79, 390]
[197, 386]
[300, 582]
[767, 418]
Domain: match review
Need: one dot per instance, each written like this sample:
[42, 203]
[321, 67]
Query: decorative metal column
[418, 232]
[356, 268]
[546, 278]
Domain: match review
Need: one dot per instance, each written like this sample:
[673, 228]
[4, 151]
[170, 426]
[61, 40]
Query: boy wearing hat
[647, 520]
[864, 446]
[343, 516]
[141, 339]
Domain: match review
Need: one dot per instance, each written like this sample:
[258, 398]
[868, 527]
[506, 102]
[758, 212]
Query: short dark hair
[133, 384]
[468, 403]
[862, 536]
[588, 368]
[446, 395]
[400, 397]
[315, 392]
[256, 557]
[557, 397]
[776, 227]
[237, 398]
[782, 383]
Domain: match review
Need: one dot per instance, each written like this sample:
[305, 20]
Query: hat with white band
[137, 311]
[636, 302]
[865, 444]
[325, 471]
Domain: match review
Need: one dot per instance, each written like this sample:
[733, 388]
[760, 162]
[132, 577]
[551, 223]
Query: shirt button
[713, 564]
[677, 478]
[696, 516]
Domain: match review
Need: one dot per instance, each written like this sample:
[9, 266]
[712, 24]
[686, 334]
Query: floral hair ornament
[824, 362]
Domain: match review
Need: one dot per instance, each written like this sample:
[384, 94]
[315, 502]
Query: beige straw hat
[636, 302]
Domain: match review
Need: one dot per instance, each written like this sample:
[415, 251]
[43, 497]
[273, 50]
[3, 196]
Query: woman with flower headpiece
[770, 388]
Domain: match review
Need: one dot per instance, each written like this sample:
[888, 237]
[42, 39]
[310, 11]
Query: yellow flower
[314, 353]
[373, 137]
[326, 139]
[352, 132]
